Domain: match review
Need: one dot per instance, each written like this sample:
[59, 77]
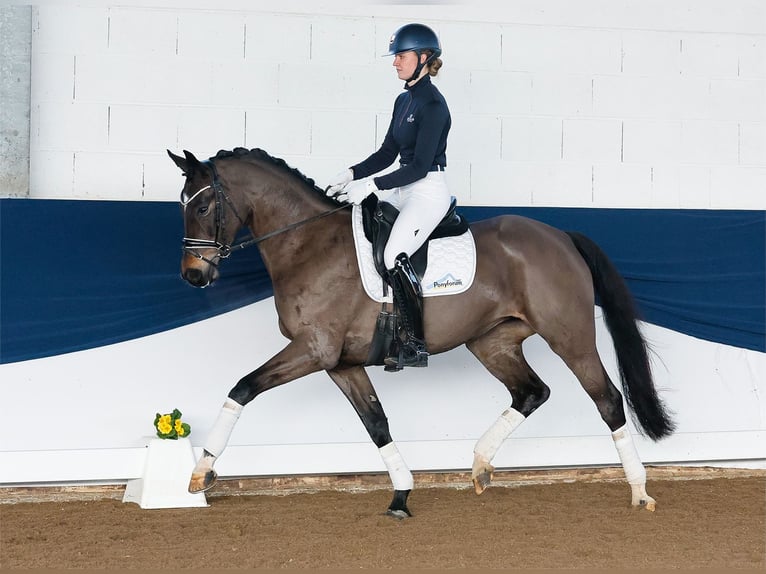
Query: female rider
[417, 134]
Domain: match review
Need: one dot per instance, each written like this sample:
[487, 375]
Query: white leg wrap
[635, 473]
[219, 435]
[401, 477]
[489, 443]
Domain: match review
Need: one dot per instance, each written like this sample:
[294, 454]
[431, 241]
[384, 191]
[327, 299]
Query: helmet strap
[419, 67]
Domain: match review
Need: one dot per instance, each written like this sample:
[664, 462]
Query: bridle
[191, 245]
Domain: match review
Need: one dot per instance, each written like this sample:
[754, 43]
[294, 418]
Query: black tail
[620, 316]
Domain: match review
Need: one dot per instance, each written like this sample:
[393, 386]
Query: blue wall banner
[81, 274]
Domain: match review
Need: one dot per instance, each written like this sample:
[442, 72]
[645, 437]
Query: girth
[378, 218]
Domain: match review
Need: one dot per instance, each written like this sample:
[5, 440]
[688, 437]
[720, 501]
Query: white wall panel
[211, 35]
[97, 172]
[738, 99]
[475, 137]
[347, 40]
[752, 57]
[652, 141]
[562, 95]
[484, 40]
[694, 186]
[532, 139]
[621, 185]
[139, 128]
[709, 55]
[750, 183]
[552, 184]
[72, 126]
[277, 37]
[204, 131]
[517, 63]
[501, 92]
[51, 175]
[143, 31]
[563, 50]
[592, 140]
[53, 29]
[752, 143]
[53, 77]
[665, 186]
[709, 143]
[654, 54]
[281, 132]
[342, 133]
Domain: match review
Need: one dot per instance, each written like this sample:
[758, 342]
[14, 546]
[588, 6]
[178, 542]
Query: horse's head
[211, 220]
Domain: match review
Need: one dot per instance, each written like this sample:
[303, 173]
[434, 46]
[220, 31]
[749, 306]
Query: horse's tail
[620, 316]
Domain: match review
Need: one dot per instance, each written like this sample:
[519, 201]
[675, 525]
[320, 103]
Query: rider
[418, 135]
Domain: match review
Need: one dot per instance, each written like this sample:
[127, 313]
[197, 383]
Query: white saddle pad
[451, 264]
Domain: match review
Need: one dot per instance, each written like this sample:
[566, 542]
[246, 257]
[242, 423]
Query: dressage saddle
[378, 218]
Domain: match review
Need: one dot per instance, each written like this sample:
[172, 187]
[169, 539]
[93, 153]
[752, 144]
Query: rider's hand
[340, 181]
[355, 192]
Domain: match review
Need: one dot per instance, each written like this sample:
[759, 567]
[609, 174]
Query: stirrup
[411, 353]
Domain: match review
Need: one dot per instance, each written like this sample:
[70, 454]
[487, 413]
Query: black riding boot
[408, 296]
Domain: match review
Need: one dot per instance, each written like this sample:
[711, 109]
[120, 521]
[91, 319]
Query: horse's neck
[281, 206]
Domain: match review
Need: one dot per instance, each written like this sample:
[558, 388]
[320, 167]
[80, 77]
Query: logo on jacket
[410, 119]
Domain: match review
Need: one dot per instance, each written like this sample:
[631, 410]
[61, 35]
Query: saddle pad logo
[449, 281]
[451, 264]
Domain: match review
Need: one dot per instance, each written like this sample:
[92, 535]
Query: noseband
[191, 245]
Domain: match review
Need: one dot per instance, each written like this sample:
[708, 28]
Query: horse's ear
[178, 160]
[192, 163]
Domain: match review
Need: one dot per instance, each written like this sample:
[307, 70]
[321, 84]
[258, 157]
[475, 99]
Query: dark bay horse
[530, 278]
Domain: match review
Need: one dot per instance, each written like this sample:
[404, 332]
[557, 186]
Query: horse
[529, 278]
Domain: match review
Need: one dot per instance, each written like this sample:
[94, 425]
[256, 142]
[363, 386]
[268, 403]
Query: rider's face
[405, 64]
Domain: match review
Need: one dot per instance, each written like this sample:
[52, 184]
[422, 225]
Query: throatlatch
[408, 296]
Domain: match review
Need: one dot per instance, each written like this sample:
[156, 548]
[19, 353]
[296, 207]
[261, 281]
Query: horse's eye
[203, 210]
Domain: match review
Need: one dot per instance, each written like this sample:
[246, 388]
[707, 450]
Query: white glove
[340, 181]
[356, 191]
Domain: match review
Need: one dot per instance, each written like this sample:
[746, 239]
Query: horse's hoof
[649, 503]
[202, 482]
[639, 498]
[398, 507]
[482, 480]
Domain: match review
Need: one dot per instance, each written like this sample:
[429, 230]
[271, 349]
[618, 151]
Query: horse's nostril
[195, 277]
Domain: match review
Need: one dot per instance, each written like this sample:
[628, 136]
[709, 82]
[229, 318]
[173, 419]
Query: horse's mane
[262, 155]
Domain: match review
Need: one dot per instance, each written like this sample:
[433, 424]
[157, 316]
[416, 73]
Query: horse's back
[523, 237]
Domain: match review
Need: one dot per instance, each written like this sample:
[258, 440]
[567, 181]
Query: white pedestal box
[165, 480]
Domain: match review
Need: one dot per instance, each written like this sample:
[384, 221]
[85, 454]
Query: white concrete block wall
[605, 105]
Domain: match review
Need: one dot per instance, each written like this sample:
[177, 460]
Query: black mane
[262, 155]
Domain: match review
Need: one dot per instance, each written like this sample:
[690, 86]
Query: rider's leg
[422, 206]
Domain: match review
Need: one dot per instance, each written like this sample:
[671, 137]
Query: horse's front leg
[356, 385]
[292, 362]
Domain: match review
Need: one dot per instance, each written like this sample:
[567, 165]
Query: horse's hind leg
[500, 352]
[589, 370]
[356, 386]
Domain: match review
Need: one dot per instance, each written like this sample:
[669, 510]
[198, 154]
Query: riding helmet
[415, 37]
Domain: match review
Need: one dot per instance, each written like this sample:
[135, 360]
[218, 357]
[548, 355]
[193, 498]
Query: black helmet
[415, 37]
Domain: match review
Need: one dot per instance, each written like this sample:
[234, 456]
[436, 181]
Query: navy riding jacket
[417, 134]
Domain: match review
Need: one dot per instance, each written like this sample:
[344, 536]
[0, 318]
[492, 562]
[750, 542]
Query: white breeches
[421, 205]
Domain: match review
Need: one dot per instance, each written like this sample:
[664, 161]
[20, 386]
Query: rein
[190, 244]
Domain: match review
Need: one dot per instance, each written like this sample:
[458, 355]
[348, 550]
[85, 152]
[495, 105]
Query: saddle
[378, 218]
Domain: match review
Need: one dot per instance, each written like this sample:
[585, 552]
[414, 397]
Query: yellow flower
[179, 427]
[163, 425]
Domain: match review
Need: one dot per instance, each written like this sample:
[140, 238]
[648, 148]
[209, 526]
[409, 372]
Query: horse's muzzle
[198, 273]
